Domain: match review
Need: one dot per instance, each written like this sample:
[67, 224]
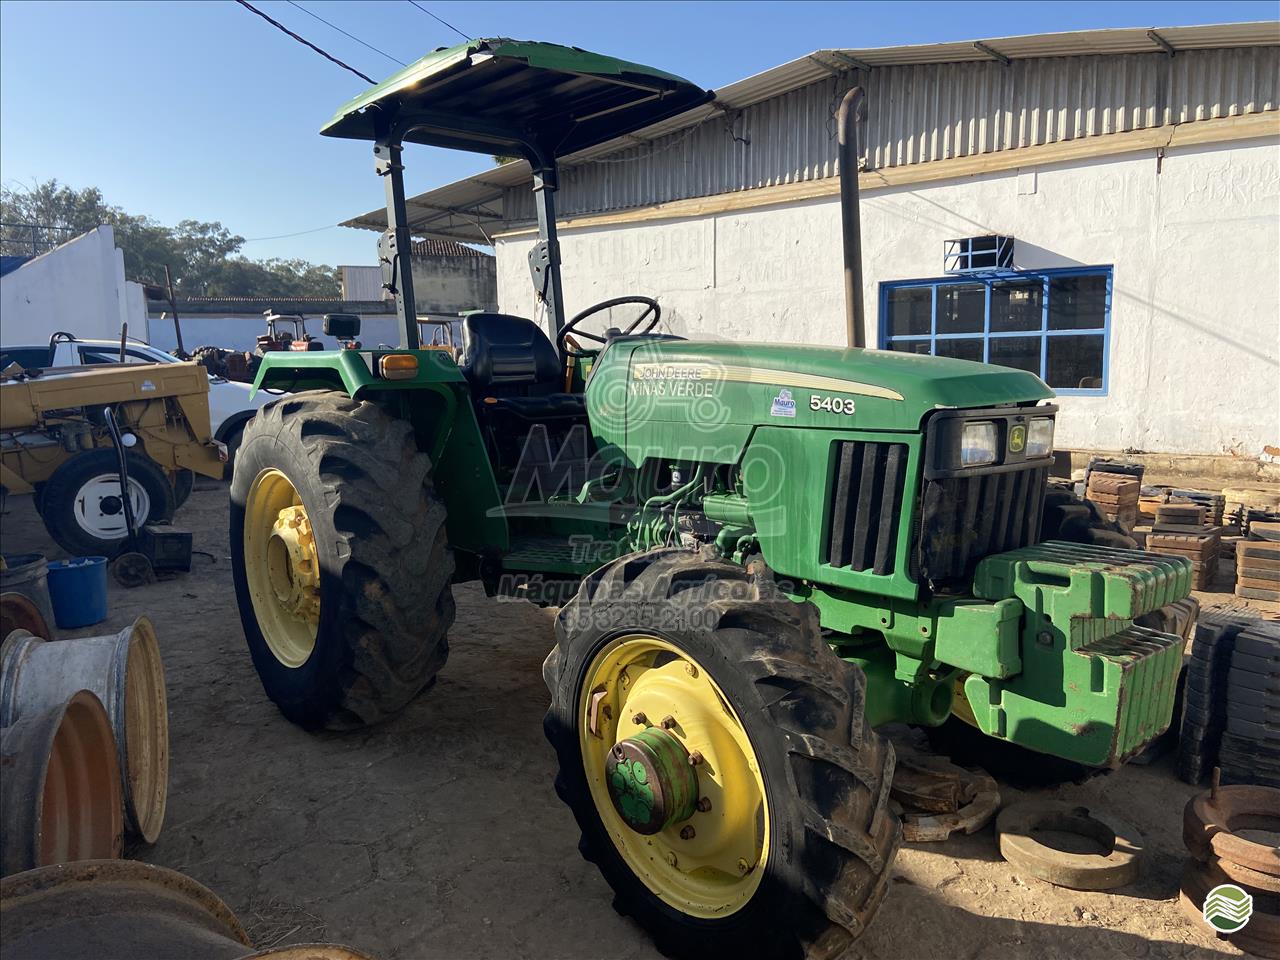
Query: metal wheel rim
[716, 872]
[89, 501]
[290, 637]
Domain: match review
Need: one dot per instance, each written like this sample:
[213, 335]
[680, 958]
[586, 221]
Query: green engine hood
[674, 380]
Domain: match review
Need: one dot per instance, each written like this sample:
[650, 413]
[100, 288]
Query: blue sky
[201, 110]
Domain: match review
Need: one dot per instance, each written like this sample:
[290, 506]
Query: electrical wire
[439, 19]
[349, 36]
[282, 236]
[306, 43]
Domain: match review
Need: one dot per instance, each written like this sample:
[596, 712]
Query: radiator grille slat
[887, 535]
[866, 486]
[964, 519]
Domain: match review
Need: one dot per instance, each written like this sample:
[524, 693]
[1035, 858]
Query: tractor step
[575, 556]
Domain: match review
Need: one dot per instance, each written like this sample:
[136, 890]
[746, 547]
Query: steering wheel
[652, 314]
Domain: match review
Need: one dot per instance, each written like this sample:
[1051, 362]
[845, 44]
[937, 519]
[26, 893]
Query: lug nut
[668, 722]
[704, 804]
[618, 751]
[671, 859]
[640, 719]
[743, 866]
[690, 669]
[687, 833]
[695, 758]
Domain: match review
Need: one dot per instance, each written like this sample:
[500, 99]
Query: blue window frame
[1054, 323]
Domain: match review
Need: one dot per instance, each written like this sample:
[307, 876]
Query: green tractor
[760, 552]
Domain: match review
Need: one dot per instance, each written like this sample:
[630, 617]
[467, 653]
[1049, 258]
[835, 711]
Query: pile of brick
[1200, 548]
[1116, 495]
[1179, 516]
[1148, 504]
[1258, 569]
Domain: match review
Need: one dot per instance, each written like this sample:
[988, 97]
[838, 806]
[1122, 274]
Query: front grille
[866, 501]
[966, 518]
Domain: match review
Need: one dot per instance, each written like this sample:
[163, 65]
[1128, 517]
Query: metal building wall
[919, 113]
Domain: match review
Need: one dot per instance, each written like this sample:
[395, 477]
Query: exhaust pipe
[847, 117]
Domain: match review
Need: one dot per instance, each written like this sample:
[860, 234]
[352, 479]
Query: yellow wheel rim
[282, 567]
[710, 864]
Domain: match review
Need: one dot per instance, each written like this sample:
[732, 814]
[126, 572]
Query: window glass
[1016, 305]
[1052, 323]
[1077, 303]
[961, 307]
[29, 358]
[910, 311]
[965, 349]
[1074, 363]
[1020, 352]
[910, 346]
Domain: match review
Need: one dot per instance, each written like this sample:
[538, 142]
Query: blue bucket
[78, 589]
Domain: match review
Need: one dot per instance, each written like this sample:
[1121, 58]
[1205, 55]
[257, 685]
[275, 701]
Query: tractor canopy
[515, 97]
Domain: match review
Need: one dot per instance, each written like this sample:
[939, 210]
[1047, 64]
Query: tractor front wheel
[713, 750]
[341, 566]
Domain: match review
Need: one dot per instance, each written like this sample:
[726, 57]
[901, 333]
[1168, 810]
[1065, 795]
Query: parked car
[230, 406]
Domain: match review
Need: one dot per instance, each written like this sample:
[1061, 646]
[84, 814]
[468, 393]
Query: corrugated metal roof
[925, 103]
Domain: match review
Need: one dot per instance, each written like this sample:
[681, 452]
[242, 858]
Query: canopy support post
[544, 258]
[395, 248]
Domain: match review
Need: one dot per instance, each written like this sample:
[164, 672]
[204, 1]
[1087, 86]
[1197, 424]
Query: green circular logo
[1017, 438]
[1227, 908]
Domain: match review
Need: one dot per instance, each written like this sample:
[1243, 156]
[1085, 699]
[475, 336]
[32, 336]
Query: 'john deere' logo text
[1017, 439]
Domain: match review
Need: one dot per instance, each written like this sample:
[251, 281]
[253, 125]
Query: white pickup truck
[230, 407]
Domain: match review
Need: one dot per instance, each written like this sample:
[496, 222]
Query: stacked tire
[1250, 750]
[1205, 696]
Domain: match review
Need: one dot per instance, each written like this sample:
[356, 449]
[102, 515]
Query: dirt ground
[439, 835]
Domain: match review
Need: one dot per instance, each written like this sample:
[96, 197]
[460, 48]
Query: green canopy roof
[513, 96]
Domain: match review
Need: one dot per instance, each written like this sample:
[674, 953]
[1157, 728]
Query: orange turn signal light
[398, 366]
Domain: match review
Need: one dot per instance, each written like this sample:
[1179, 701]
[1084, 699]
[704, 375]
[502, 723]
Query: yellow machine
[54, 442]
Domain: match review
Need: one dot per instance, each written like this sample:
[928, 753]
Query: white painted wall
[78, 287]
[362, 283]
[1195, 341]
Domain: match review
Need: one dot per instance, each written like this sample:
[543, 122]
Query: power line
[334, 26]
[282, 236]
[439, 19]
[306, 43]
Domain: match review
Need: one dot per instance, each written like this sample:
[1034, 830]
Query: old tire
[341, 565]
[184, 482]
[81, 506]
[821, 775]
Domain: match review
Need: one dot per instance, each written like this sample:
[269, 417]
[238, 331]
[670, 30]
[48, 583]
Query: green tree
[204, 257]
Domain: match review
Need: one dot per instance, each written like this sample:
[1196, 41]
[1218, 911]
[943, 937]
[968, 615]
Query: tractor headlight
[979, 444]
[1040, 437]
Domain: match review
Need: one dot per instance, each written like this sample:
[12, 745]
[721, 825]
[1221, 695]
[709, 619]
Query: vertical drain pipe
[847, 117]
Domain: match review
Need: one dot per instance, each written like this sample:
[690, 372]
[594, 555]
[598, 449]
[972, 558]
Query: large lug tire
[341, 565]
[824, 858]
[81, 506]
[184, 481]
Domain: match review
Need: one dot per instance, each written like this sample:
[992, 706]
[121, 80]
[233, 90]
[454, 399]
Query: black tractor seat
[512, 367]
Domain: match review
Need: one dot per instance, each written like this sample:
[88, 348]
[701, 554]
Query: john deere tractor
[760, 552]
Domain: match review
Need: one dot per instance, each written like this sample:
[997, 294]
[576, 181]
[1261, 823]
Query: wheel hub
[292, 567]
[651, 782]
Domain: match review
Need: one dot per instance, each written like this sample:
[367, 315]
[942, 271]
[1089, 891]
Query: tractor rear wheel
[713, 750]
[342, 569]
